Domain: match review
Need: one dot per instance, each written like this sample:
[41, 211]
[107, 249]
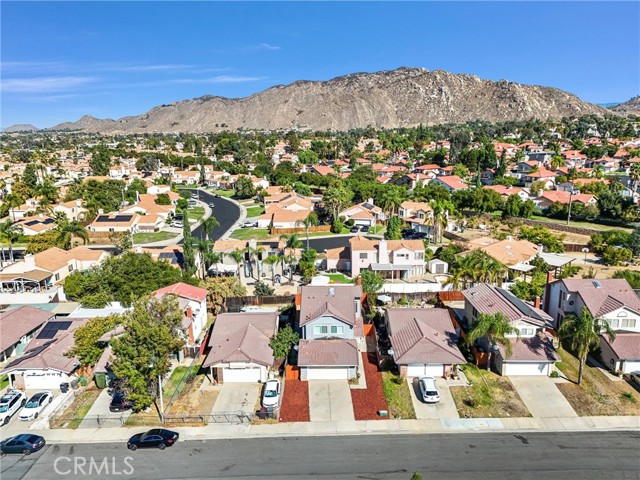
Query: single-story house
[331, 359]
[622, 354]
[18, 326]
[239, 348]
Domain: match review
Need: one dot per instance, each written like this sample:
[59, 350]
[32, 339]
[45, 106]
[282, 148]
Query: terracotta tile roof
[502, 190]
[51, 259]
[423, 335]
[603, 296]
[341, 252]
[20, 321]
[328, 353]
[509, 252]
[362, 243]
[564, 197]
[334, 299]
[183, 290]
[626, 345]
[242, 337]
[452, 181]
[407, 205]
[277, 214]
[228, 245]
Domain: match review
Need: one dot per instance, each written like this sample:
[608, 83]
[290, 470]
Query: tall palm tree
[441, 211]
[207, 227]
[292, 243]
[254, 255]
[557, 162]
[272, 261]
[10, 232]
[497, 328]
[307, 223]
[237, 257]
[583, 333]
[67, 231]
[204, 247]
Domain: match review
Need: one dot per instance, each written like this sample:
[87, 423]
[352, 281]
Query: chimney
[370, 200]
[30, 262]
[547, 291]
[509, 238]
[536, 302]
[383, 253]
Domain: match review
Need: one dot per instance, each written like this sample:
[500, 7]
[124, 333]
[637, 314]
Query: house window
[335, 329]
[57, 277]
[527, 332]
[560, 298]
[628, 323]
[614, 323]
[419, 255]
[71, 268]
[474, 312]
[320, 330]
[363, 255]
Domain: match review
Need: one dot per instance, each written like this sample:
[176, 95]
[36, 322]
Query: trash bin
[64, 387]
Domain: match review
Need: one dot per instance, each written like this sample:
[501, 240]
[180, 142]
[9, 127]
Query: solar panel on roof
[50, 329]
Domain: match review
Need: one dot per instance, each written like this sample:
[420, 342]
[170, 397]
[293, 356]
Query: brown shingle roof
[423, 335]
[604, 296]
[316, 300]
[537, 349]
[626, 345]
[20, 321]
[338, 353]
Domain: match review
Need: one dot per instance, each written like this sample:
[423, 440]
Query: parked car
[194, 195]
[211, 205]
[119, 402]
[271, 393]
[354, 229]
[24, 443]
[177, 224]
[365, 228]
[10, 403]
[217, 195]
[249, 224]
[157, 437]
[428, 390]
[35, 405]
[192, 203]
[635, 376]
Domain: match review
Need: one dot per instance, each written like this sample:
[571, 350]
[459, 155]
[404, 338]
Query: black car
[25, 443]
[217, 195]
[119, 402]
[158, 437]
[365, 228]
[354, 229]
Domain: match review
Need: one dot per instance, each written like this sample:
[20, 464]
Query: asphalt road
[495, 456]
[226, 212]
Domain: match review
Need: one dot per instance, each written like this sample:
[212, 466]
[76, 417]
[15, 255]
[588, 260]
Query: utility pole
[161, 400]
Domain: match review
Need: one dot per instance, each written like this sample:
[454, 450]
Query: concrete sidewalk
[371, 427]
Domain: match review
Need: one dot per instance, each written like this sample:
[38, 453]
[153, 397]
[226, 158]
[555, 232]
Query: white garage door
[230, 375]
[630, 366]
[430, 370]
[327, 373]
[526, 369]
[42, 381]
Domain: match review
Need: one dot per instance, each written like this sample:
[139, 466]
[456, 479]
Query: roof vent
[332, 292]
[597, 284]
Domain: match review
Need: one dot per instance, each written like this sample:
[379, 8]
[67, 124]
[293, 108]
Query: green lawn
[224, 193]
[398, 396]
[195, 213]
[338, 278]
[251, 233]
[255, 211]
[4, 381]
[139, 238]
[174, 380]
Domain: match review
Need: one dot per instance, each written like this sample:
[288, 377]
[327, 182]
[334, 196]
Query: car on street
[35, 405]
[155, 438]
[211, 205]
[354, 229]
[428, 390]
[217, 195]
[635, 377]
[194, 195]
[24, 443]
[271, 393]
[192, 203]
[10, 403]
[119, 402]
[365, 228]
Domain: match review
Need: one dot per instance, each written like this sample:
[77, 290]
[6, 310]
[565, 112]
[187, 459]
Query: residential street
[225, 211]
[497, 456]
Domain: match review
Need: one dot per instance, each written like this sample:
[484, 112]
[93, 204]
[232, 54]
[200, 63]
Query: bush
[336, 226]
[263, 290]
[349, 223]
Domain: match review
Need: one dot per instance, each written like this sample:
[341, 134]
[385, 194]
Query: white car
[271, 393]
[177, 224]
[249, 224]
[10, 403]
[35, 405]
[428, 390]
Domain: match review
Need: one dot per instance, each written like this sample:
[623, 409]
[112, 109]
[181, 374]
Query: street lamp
[585, 250]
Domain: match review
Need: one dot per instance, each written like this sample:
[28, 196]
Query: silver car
[429, 390]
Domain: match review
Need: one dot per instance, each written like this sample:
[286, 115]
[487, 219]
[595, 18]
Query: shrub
[263, 290]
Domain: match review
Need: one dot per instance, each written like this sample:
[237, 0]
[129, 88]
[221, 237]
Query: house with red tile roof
[453, 183]
[193, 301]
[549, 197]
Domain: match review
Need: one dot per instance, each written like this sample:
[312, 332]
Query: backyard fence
[235, 304]
[287, 231]
[189, 375]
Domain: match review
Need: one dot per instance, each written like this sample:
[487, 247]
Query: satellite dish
[390, 352]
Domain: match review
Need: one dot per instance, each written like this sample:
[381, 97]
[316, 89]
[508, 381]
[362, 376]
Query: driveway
[542, 397]
[330, 401]
[237, 397]
[445, 408]
[100, 416]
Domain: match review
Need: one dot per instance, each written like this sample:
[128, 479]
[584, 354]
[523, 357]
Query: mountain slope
[630, 106]
[20, 127]
[397, 98]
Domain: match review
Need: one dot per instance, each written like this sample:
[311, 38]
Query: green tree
[163, 199]
[394, 229]
[336, 198]
[221, 288]
[244, 187]
[100, 162]
[272, 261]
[307, 264]
[87, 346]
[282, 342]
[582, 333]
[310, 221]
[208, 226]
[42, 241]
[237, 257]
[68, 230]
[142, 353]
[10, 232]
[261, 289]
[496, 327]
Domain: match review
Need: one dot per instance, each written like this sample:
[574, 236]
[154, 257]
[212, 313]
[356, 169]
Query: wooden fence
[451, 296]
[235, 304]
[287, 231]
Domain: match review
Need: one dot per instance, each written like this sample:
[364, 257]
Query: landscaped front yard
[224, 193]
[255, 211]
[597, 395]
[195, 213]
[489, 396]
[251, 233]
[398, 396]
[338, 278]
[139, 238]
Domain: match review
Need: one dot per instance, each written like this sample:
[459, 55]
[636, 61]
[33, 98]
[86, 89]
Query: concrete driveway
[330, 400]
[100, 416]
[542, 397]
[445, 408]
[237, 397]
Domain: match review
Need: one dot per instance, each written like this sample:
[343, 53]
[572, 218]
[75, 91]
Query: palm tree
[272, 261]
[583, 333]
[10, 232]
[496, 327]
[67, 231]
[254, 255]
[557, 162]
[207, 227]
[292, 243]
[204, 247]
[634, 174]
[307, 223]
[441, 211]
[237, 257]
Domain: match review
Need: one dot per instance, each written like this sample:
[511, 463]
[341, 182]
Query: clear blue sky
[111, 59]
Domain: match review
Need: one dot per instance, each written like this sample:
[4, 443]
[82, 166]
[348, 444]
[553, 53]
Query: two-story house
[393, 259]
[417, 214]
[611, 300]
[533, 352]
[330, 323]
[193, 301]
[365, 213]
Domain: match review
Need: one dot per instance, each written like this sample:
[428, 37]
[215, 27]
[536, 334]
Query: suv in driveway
[10, 403]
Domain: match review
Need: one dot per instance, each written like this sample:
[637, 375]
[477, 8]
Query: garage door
[327, 373]
[630, 366]
[430, 370]
[42, 381]
[230, 375]
[526, 369]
